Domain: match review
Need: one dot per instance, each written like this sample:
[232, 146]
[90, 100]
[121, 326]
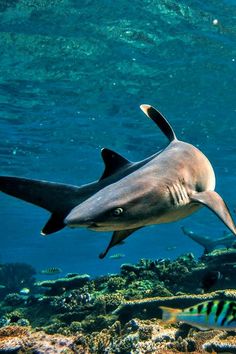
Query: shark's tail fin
[169, 314]
[57, 198]
[160, 120]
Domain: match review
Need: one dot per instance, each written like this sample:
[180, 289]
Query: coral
[4, 321]
[145, 332]
[100, 322]
[221, 344]
[100, 342]
[75, 327]
[14, 299]
[108, 302]
[70, 301]
[58, 286]
[127, 344]
[129, 268]
[117, 313]
[149, 308]
[12, 338]
[14, 316]
[15, 276]
[21, 339]
[23, 322]
[115, 283]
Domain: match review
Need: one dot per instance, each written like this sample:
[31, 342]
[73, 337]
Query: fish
[60, 198]
[117, 256]
[205, 315]
[51, 271]
[171, 248]
[167, 186]
[170, 186]
[227, 240]
[209, 279]
[24, 291]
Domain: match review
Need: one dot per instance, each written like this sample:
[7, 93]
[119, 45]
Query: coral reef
[58, 286]
[137, 336]
[149, 308]
[119, 313]
[16, 339]
[15, 276]
[221, 343]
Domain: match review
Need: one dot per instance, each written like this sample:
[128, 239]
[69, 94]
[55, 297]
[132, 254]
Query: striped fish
[51, 271]
[208, 314]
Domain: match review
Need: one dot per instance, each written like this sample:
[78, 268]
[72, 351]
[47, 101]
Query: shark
[208, 243]
[170, 186]
[59, 198]
[165, 187]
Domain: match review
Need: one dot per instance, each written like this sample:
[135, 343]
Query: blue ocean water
[72, 77]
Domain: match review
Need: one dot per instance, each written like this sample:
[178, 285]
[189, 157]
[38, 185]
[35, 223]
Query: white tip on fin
[145, 107]
[160, 121]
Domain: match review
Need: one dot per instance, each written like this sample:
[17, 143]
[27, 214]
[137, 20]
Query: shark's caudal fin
[213, 201]
[57, 198]
[113, 162]
[116, 238]
[160, 120]
[169, 314]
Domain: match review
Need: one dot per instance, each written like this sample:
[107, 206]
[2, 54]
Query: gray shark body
[169, 187]
[165, 187]
[59, 199]
[208, 243]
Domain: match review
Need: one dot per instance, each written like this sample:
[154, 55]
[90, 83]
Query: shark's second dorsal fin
[113, 162]
[160, 120]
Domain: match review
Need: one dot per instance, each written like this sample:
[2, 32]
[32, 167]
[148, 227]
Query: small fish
[206, 315]
[210, 278]
[2, 286]
[171, 248]
[51, 271]
[117, 256]
[24, 291]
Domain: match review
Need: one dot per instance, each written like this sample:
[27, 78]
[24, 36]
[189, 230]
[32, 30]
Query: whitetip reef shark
[167, 186]
[227, 240]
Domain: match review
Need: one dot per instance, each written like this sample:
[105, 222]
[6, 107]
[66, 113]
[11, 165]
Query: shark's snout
[74, 220]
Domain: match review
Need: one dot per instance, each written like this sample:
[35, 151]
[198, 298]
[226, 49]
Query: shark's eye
[117, 211]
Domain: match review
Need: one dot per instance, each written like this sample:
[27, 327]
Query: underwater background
[72, 77]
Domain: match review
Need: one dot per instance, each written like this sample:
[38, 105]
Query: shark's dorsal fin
[116, 238]
[55, 223]
[160, 120]
[113, 162]
[214, 202]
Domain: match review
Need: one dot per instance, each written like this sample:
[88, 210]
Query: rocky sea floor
[116, 313]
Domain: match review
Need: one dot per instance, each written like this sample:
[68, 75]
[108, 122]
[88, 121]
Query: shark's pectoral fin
[117, 237]
[55, 223]
[113, 162]
[214, 202]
